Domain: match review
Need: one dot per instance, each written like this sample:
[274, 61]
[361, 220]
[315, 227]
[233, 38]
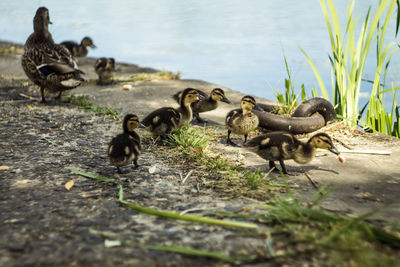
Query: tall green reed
[349, 55]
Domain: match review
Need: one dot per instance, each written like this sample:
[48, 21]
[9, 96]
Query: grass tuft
[83, 102]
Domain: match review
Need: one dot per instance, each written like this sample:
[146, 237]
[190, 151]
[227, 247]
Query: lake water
[235, 43]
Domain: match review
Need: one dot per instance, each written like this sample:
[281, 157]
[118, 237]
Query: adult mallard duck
[125, 147]
[283, 146]
[242, 121]
[79, 50]
[47, 64]
[208, 103]
[105, 68]
[164, 120]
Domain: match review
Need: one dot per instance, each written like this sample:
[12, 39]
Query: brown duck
[47, 64]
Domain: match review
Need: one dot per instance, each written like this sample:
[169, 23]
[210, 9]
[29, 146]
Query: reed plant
[349, 56]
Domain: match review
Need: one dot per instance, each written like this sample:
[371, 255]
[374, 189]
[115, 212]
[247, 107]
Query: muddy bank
[45, 224]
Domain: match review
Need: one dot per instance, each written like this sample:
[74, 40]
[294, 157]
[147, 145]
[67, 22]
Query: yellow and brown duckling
[164, 120]
[242, 121]
[79, 50]
[125, 147]
[208, 103]
[282, 146]
[105, 68]
[47, 64]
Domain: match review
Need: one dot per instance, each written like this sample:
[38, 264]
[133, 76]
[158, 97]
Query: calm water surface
[235, 43]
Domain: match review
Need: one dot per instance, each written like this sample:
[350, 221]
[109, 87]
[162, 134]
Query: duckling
[47, 64]
[164, 120]
[125, 147]
[105, 68]
[242, 121]
[283, 146]
[79, 50]
[207, 104]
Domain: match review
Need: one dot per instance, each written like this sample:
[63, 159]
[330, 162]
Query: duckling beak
[334, 150]
[200, 96]
[226, 100]
[93, 46]
[141, 125]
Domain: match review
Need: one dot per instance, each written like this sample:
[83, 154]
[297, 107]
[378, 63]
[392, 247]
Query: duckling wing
[100, 63]
[269, 140]
[166, 115]
[233, 114]
[122, 146]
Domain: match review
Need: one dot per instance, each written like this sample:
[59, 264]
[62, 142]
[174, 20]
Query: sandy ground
[39, 143]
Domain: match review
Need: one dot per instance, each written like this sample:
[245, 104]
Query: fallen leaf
[341, 159]
[195, 150]
[68, 185]
[3, 168]
[112, 243]
[152, 169]
[30, 107]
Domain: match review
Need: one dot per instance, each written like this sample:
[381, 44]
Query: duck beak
[93, 46]
[141, 125]
[334, 150]
[226, 100]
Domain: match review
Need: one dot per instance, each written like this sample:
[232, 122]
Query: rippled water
[235, 43]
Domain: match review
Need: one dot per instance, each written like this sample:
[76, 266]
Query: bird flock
[53, 67]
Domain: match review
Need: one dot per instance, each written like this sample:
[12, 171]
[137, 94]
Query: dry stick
[313, 183]
[27, 96]
[342, 143]
[187, 176]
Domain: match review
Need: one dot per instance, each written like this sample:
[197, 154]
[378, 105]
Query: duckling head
[217, 94]
[189, 95]
[41, 20]
[247, 103]
[322, 140]
[131, 122]
[87, 41]
[110, 65]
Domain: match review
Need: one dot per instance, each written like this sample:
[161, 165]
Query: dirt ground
[46, 225]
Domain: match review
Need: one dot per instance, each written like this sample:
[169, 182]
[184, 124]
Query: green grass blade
[317, 75]
[190, 218]
[165, 214]
[93, 176]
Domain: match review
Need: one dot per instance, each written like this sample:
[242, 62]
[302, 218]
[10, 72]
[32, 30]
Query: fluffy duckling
[164, 120]
[242, 121]
[79, 50]
[283, 146]
[125, 147]
[208, 103]
[105, 68]
[47, 64]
